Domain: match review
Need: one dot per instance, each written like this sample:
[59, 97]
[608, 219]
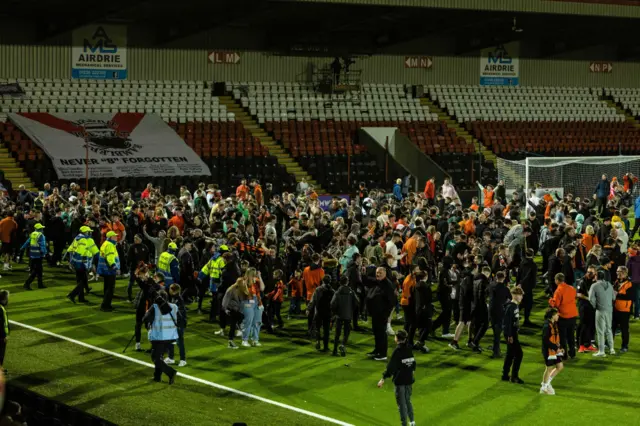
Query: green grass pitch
[451, 388]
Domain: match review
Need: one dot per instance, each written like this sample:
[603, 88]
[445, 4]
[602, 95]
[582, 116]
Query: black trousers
[527, 304]
[223, 319]
[214, 307]
[480, 324]
[601, 204]
[567, 329]
[379, 328]
[621, 319]
[234, 318]
[3, 350]
[586, 328]
[426, 326]
[81, 283]
[58, 248]
[36, 272]
[496, 326]
[323, 324]
[356, 315]
[409, 322]
[202, 291]
[274, 312]
[444, 319]
[513, 359]
[158, 349]
[109, 288]
[310, 321]
[340, 324]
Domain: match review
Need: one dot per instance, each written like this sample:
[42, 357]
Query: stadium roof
[293, 27]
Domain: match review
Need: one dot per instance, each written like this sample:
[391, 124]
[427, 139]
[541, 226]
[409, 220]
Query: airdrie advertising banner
[120, 145]
[499, 66]
[99, 52]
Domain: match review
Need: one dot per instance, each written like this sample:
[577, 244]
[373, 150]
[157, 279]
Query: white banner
[99, 52]
[499, 66]
[119, 145]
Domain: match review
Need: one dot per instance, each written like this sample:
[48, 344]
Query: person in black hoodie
[342, 308]
[604, 232]
[381, 299]
[402, 367]
[187, 267]
[555, 267]
[526, 278]
[479, 314]
[320, 304]
[498, 296]
[465, 299]
[567, 265]
[354, 276]
[445, 287]
[148, 288]
[587, 326]
[138, 252]
[423, 299]
[511, 326]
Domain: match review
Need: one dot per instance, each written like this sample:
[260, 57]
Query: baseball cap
[111, 234]
[38, 226]
[224, 248]
[85, 229]
[173, 246]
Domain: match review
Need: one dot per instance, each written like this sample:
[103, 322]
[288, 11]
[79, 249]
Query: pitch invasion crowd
[361, 262]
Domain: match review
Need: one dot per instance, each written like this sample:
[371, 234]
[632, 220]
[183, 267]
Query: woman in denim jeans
[252, 309]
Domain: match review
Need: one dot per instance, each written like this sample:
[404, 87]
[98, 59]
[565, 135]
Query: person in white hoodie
[622, 237]
[601, 296]
[448, 190]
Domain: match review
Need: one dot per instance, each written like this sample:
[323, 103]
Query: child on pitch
[296, 293]
[402, 366]
[276, 297]
[551, 351]
[181, 324]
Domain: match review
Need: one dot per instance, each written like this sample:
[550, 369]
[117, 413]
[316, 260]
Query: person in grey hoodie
[601, 296]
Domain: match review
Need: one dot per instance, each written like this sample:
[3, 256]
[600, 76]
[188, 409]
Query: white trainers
[412, 424]
[245, 344]
[258, 344]
[390, 331]
[169, 361]
[138, 347]
[219, 332]
[612, 352]
[399, 316]
[600, 354]
[182, 363]
[238, 333]
[448, 336]
[550, 389]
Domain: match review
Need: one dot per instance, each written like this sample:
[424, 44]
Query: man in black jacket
[498, 296]
[555, 267]
[138, 252]
[187, 267]
[320, 304]
[342, 308]
[527, 275]
[381, 300]
[586, 328]
[354, 275]
[511, 325]
[402, 367]
[479, 313]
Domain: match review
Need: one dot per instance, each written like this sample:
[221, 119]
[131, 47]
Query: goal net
[575, 175]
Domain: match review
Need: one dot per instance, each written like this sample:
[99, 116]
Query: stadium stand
[514, 121]
[188, 107]
[312, 126]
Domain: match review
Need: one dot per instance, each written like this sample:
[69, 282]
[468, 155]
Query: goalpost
[575, 175]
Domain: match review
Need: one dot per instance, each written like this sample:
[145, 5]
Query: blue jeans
[257, 322]
[180, 344]
[248, 310]
[294, 306]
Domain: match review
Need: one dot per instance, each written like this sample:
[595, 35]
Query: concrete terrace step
[267, 141]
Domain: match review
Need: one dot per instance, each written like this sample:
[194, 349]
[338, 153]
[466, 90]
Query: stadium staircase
[13, 172]
[461, 131]
[268, 142]
[630, 118]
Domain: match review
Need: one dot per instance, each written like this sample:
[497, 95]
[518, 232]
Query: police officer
[212, 270]
[163, 331]
[109, 267]
[37, 251]
[169, 265]
[82, 252]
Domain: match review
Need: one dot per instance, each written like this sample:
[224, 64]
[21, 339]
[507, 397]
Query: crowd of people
[369, 258]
